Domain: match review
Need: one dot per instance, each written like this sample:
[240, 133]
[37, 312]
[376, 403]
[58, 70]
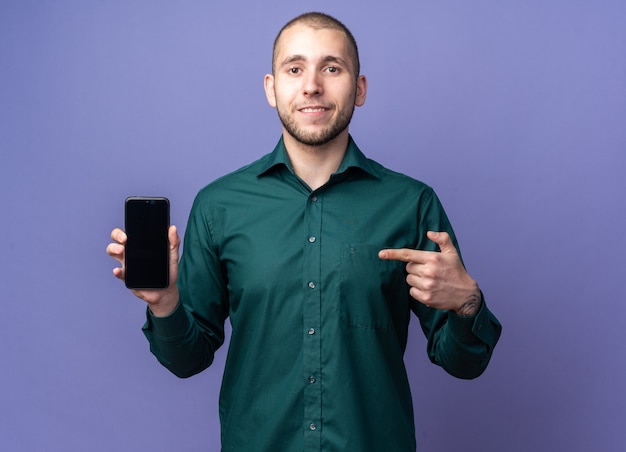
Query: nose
[312, 84]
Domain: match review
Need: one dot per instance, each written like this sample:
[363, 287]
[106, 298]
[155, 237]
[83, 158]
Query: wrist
[471, 303]
[166, 305]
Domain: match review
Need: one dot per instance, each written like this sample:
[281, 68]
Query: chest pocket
[373, 292]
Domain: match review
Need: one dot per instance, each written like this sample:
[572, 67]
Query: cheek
[281, 91]
[347, 94]
[280, 100]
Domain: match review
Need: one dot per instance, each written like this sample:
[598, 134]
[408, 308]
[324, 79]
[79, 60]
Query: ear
[361, 91]
[270, 93]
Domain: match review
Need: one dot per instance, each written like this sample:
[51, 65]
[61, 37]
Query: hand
[438, 280]
[162, 302]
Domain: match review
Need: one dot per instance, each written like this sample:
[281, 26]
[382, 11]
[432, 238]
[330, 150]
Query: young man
[318, 256]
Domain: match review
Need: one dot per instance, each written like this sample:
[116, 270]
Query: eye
[332, 69]
[294, 70]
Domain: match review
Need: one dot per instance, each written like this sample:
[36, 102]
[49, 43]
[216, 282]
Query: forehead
[311, 43]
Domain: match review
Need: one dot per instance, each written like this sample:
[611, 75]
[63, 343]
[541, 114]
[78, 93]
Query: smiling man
[318, 256]
[315, 87]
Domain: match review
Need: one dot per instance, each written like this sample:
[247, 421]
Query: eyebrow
[326, 59]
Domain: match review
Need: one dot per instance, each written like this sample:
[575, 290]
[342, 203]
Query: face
[314, 87]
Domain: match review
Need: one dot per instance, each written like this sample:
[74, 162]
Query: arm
[461, 331]
[180, 340]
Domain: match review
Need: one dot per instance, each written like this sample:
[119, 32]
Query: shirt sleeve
[462, 346]
[185, 341]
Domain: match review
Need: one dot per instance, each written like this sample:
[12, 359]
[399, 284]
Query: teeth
[312, 110]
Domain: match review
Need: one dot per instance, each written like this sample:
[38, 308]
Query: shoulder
[396, 180]
[226, 186]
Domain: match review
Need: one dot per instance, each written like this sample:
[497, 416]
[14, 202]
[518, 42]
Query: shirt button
[314, 198]
[312, 427]
[312, 379]
[312, 285]
[311, 239]
[311, 331]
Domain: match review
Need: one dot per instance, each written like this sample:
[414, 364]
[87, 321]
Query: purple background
[514, 111]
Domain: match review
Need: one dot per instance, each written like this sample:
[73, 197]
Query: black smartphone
[146, 255]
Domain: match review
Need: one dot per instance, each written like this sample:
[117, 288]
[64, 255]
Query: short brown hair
[320, 21]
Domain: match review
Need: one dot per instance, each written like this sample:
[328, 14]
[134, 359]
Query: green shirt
[319, 322]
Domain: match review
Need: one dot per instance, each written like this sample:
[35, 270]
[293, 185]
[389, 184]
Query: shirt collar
[353, 158]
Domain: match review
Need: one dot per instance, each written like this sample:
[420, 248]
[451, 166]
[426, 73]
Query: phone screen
[147, 247]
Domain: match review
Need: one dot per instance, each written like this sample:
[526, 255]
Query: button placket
[311, 310]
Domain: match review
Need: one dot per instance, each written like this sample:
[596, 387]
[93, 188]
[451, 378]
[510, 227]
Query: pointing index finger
[402, 254]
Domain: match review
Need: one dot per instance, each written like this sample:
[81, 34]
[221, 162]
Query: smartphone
[146, 255]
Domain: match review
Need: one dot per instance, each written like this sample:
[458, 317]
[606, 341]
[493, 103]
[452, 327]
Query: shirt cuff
[169, 327]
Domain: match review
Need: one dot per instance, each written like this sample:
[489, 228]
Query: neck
[315, 164]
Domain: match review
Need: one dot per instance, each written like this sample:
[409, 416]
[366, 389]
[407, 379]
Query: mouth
[313, 109]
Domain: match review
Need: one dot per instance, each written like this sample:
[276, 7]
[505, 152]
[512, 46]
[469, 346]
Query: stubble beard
[319, 137]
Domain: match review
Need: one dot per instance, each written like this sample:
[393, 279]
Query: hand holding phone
[162, 302]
